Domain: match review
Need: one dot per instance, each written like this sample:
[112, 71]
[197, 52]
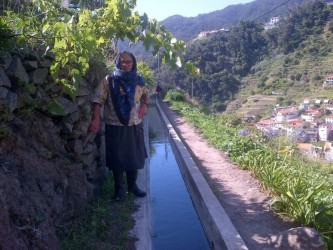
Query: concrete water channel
[181, 211]
[175, 223]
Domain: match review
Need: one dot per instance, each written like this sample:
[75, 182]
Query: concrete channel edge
[219, 229]
[142, 228]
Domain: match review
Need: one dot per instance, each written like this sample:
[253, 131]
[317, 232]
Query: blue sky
[161, 9]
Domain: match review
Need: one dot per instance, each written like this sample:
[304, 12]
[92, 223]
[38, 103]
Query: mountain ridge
[187, 28]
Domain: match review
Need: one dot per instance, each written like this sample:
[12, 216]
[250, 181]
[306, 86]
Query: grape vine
[75, 37]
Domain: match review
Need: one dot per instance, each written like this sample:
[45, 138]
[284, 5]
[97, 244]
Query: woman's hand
[95, 125]
[96, 121]
[142, 110]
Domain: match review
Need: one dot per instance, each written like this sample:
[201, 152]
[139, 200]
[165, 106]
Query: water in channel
[175, 223]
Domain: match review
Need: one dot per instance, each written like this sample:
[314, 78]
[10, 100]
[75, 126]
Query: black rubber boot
[119, 190]
[131, 177]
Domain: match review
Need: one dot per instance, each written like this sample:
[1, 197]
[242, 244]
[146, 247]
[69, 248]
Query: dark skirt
[125, 147]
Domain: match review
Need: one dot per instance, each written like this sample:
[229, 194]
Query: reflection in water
[175, 223]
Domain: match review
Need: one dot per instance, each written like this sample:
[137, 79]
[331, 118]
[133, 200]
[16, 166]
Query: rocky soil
[50, 167]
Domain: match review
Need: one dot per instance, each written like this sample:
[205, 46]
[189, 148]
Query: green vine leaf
[77, 39]
[55, 108]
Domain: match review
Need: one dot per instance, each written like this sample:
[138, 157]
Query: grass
[103, 224]
[302, 191]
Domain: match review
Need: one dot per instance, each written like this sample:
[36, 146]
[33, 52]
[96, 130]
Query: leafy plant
[177, 96]
[96, 226]
[77, 37]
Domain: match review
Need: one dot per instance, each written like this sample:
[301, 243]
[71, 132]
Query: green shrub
[175, 95]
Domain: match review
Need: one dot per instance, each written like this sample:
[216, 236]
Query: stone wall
[50, 167]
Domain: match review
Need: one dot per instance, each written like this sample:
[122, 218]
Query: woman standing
[126, 100]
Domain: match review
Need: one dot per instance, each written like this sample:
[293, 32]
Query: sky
[161, 9]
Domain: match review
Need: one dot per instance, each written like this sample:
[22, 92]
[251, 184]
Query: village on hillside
[309, 123]
[269, 25]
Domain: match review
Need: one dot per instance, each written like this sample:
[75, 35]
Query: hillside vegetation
[188, 28]
[292, 59]
[302, 190]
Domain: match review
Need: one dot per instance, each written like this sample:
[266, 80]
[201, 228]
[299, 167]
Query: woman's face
[126, 63]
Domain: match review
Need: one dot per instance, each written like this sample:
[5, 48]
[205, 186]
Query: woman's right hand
[95, 125]
[96, 121]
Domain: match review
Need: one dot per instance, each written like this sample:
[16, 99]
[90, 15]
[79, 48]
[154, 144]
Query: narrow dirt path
[237, 190]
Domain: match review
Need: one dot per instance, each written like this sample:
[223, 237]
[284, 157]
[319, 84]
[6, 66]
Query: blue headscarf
[122, 88]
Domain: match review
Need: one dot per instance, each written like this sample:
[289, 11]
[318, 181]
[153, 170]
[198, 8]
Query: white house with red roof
[266, 123]
[306, 101]
[295, 127]
[311, 114]
[305, 104]
[329, 80]
[286, 114]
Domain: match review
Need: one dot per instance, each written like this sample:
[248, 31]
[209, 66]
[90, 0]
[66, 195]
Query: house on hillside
[274, 20]
[317, 152]
[272, 23]
[308, 136]
[305, 104]
[306, 101]
[286, 114]
[311, 114]
[278, 92]
[212, 32]
[265, 123]
[316, 123]
[328, 151]
[328, 80]
[318, 101]
[329, 119]
[326, 101]
[330, 108]
[294, 128]
[312, 135]
[268, 127]
[310, 151]
[249, 118]
[325, 132]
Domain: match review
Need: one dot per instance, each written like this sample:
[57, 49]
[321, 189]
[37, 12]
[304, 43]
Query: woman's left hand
[142, 111]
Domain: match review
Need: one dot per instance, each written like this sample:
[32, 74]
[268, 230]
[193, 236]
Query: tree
[194, 72]
[147, 73]
[76, 37]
